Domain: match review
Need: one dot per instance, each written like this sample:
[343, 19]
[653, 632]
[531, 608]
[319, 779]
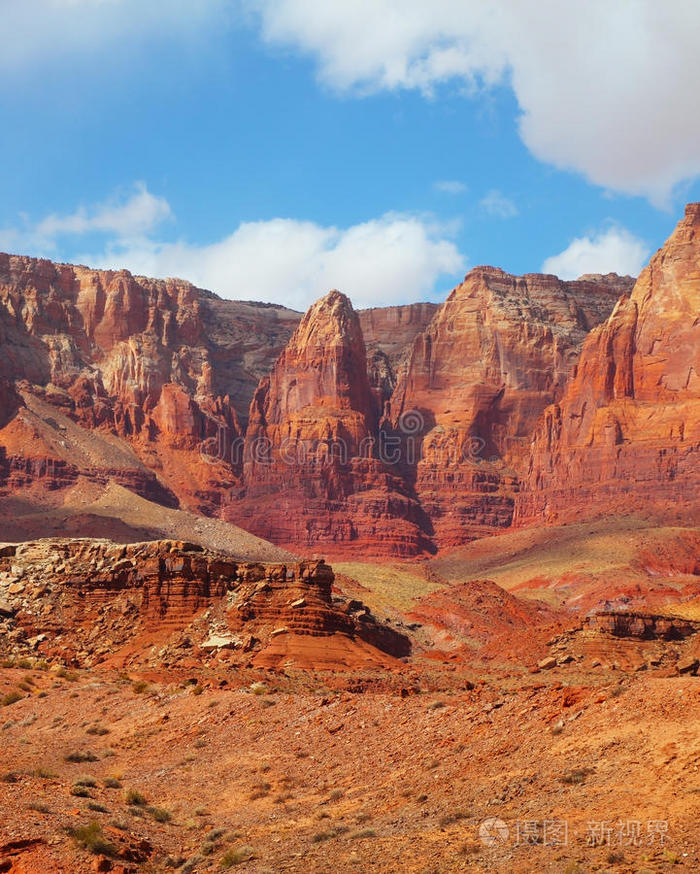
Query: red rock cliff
[312, 475]
[493, 357]
[626, 434]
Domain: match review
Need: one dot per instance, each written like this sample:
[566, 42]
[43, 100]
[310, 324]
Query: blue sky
[273, 149]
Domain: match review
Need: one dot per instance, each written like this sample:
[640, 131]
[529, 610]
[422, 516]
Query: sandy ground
[328, 772]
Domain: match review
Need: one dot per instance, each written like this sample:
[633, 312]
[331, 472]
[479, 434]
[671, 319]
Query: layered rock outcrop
[162, 364]
[493, 357]
[312, 471]
[625, 436]
[118, 598]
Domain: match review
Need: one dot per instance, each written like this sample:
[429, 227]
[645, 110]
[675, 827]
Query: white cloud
[498, 205]
[606, 89]
[139, 214]
[128, 217]
[450, 186]
[392, 259]
[396, 258]
[615, 250]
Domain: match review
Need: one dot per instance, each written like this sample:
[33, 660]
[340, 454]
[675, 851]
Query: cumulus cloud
[498, 205]
[396, 258]
[450, 186]
[614, 250]
[605, 89]
[392, 259]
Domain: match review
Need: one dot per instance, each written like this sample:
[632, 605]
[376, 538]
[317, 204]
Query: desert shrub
[10, 777]
[90, 838]
[39, 806]
[258, 688]
[97, 807]
[362, 833]
[11, 697]
[451, 818]
[616, 691]
[436, 705]
[160, 814]
[99, 730]
[79, 756]
[336, 795]
[86, 780]
[80, 791]
[111, 783]
[134, 797]
[574, 777]
[139, 686]
[237, 856]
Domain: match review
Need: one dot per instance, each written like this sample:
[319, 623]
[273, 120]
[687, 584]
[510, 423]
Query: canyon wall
[625, 437]
[392, 431]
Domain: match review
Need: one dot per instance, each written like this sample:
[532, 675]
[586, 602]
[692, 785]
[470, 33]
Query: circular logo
[411, 422]
[493, 832]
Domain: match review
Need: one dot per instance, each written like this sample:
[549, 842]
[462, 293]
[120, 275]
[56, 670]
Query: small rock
[6, 609]
[547, 664]
[16, 588]
[688, 665]
[219, 641]
[300, 602]
[283, 630]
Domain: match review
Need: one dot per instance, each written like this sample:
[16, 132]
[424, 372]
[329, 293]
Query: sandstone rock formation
[625, 436]
[161, 364]
[122, 600]
[389, 333]
[493, 357]
[312, 473]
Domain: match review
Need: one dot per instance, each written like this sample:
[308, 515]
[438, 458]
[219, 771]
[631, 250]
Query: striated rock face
[161, 364]
[643, 625]
[626, 434]
[493, 357]
[114, 597]
[311, 471]
[389, 333]
[393, 431]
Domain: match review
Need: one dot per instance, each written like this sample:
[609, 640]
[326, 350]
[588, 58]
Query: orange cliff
[625, 436]
[495, 354]
[313, 478]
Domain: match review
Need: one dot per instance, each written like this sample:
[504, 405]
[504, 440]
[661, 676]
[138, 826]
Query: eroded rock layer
[119, 599]
[493, 357]
[161, 364]
[312, 472]
[626, 434]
